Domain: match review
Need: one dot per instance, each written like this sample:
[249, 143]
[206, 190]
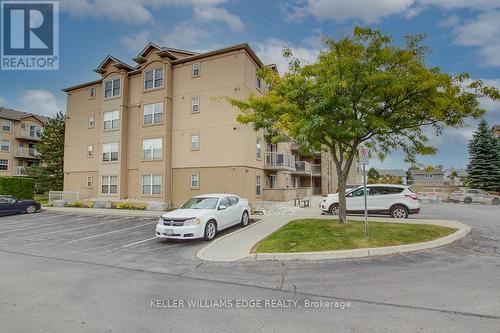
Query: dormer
[113, 63]
[153, 52]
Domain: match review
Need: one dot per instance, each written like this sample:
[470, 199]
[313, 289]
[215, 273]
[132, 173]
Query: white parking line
[34, 226]
[110, 232]
[78, 228]
[139, 242]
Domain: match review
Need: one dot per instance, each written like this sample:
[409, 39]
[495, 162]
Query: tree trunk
[342, 202]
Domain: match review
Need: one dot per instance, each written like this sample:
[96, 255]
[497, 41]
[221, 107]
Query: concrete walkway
[103, 211]
[238, 245]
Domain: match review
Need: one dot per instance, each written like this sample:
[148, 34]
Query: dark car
[10, 205]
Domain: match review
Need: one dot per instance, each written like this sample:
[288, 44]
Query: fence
[63, 195]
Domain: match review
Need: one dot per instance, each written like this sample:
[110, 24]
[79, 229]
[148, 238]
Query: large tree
[49, 174]
[363, 90]
[484, 159]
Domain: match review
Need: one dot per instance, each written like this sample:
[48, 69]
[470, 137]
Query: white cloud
[271, 52]
[39, 101]
[137, 41]
[184, 35]
[210, 13]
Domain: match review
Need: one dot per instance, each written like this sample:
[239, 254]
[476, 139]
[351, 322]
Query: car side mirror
[222, 207]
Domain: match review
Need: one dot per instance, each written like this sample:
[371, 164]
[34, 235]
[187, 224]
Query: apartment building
[19, 133]
[159, 131]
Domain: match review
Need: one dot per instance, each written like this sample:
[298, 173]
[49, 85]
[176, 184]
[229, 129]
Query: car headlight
[160, 220]
[194, 221]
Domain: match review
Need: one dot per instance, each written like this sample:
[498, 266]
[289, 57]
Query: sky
[464, 36]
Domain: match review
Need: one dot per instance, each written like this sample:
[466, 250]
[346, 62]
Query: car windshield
[200, 203]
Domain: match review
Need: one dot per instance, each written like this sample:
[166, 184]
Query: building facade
[161, 131]
[421, 177]
[18, 136]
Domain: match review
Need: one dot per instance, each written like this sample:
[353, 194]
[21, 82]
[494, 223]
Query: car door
[235, 210]
[355, 200]
[483, 197]
[473, 194]
[224, 215]
[6, 206]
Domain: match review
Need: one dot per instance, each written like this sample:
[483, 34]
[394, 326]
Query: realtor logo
[29, 35]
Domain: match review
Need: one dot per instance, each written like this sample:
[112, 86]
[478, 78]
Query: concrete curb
[104, 211]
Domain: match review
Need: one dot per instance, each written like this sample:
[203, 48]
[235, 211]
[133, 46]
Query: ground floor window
[258, 187]
[195, 180]
[272, 181]
[151, 184]
[89, 181]
[4, 165]
[109, 184]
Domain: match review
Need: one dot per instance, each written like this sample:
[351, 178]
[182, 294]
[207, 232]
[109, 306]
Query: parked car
[470, 195]
[431, 195]
[203, 217]
[396, 200]
[10, 205]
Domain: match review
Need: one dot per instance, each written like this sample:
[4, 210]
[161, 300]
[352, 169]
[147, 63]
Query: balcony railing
[280, 161]
[28, 134]
[26, 153]
[303, 167]
[19, 171]
[316, 169]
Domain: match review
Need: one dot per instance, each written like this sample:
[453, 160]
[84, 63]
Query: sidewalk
[103, 211]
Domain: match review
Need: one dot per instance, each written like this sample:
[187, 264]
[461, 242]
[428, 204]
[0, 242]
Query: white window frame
[258, 82]
[4, 164]
[91, 121]
[196, 67]
[106, 181]
[195, 104]
[195, 144]
[108, 148]
[195, 179]
[151, 184]
[155, 78]
[152, 149]
[152, 110]
[113, 88]
[258, 148]
[258, 185]
[113, 121]
[7, 145]
[9, 122]
[90, 182]
[429, 176]
[92, 92]
[90, 151]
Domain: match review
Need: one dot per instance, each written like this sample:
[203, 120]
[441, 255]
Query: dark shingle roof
[19, 115]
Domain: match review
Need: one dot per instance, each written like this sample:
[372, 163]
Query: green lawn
[328, 235]
[42, 198]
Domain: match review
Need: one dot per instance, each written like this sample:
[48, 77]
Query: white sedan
[203, 216]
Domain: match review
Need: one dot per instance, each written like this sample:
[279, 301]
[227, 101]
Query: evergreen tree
[484, 160]
[49, 174]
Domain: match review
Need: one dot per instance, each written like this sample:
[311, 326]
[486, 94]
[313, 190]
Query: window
[272, 181]
[110, 152]
[152, 149]
[225, 202]
[258, 187]
[5, 145]
[112, 88]
[4, 165]
[111, 120]
[195, 180]
[6, 125]
[233, 201]
[109, 184]
[92, 92]
[427, 175]
[195, 141]
[358, 193]
[195, 104]
[258, 82]
[153, 79]
[153, 113]
[89, 181]
[151, 184]
[91, 121]
[258, 147]
[90, 150]
[196, 69]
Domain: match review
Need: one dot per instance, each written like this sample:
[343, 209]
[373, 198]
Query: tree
[373, 174]
[389, 179]
[484, 159]
[362, 90]
[453, 176]
[49, 174]
[429, 169]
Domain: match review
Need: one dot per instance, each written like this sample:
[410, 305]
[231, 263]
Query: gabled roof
[118, 64]
[422, 172]
[162, 52]
[392, 172]
[243, 46]
[19, 115]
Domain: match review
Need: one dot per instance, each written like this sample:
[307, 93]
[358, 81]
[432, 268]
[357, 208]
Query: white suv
[396, 200]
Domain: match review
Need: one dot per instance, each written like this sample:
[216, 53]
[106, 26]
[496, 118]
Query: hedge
[19, 187]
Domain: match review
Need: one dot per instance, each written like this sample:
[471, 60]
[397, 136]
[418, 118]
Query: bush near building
[19, 187]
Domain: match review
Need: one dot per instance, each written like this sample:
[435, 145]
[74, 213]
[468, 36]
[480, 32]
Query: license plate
[169, 232]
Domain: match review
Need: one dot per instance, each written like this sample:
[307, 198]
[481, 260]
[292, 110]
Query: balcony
[316, 169]
[302, 168]
[26, 134]
[20, 171]
[280, 161]
[30, 153]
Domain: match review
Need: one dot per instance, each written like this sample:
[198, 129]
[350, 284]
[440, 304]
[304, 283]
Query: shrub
[19, 187]
[130, 205]
[80, 204]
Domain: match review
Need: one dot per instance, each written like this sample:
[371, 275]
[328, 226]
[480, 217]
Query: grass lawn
[42, 198]
[328, 235]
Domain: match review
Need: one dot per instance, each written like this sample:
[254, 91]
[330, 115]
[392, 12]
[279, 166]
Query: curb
[104, 211]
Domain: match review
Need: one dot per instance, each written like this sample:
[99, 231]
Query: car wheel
[399, 212]
[210, 230]
[468, 200]
[496, 201]
[244, 219]
[31, 209]
[334, 209]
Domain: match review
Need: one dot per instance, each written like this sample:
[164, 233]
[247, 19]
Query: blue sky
[464, 35]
